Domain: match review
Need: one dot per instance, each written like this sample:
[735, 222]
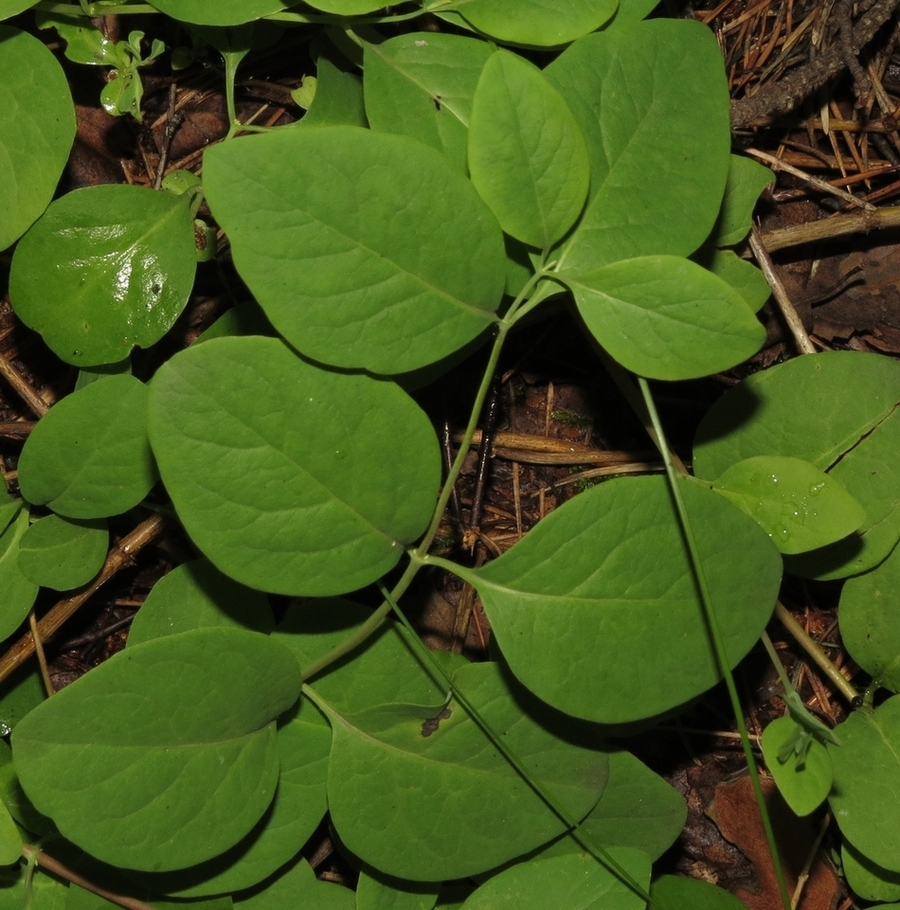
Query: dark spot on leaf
[437, 102]
[430, 725]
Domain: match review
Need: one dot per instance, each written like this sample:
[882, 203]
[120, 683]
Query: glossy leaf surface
[420, 793]
[89, 456]
[421, 85]
[63, 553]
[652, 101]
[291, 478]
[527, 156]
[578, 603]
[797, 505]
[165, 755]
[537, 23]
[37, 126]
[365, 249]
[196, 595]
[665, 317]
[106, 268]
[866, 805]
[846, 424]
[576, 882]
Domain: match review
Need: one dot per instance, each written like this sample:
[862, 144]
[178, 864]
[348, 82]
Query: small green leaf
[537, 23]
[37, 126]
[339, 97]
[743, 276]
[291, 478]
[581, 600]
[865, 800]
[196, 595]
[746, 180]
[868, 880]
[671, 891]
[421, 85]
[365, 249]
[652, 101]
[797, 505]
[106, 268]
[294, 887]
[419, 792]
[89, 456]
[85, 43]
[836, 410]
[576, 882]
[19, 592]
[63, 553]
[868, 617]
[804, 781]
[527, 156]
[165, 755]
[664, 317]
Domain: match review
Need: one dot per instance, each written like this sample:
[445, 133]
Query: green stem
[816, 654]
[716, 635]
[231, 65]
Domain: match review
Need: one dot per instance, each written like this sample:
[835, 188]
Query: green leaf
[15, 800]
[85, 43]
[805, 781]
[420, 793]
[576, 882]
[37, 126]
[89, 456]
[652, 101]
[9, 509]
[796, 504]
[527, 156]
[421, 85]
[106, 268]
[865, 801]
[365, 249]
[339, 97]
[375, 891]
[303, 744]
[81, 899]
[637, 809]
[165, 755]
[19, 593]
[42, 892]
[600, 583]
[632, 11]
[63, 553]
[9, 8]
[23, 691]
[839, 412]
[743, 276]
[868, 880]
[221, 12]
[346, 7]
[671, 891]
[868, 618]
[291, 478]
[746, 180]
[10, 839]
[665, 317]
[537, 23]
[297, 887]
[196, 595]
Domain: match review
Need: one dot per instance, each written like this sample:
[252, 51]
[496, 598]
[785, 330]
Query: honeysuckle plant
[440, 188]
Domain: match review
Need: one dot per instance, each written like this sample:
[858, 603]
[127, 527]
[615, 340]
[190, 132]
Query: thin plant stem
[717, 639]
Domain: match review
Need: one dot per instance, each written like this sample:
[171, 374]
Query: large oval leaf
[582, 599]
[89, 456]
[419, 792]
[291, 478]
[665, 317]
[537, 23]
[221, 12]
[865, 800]
[422, 85]
[365, 249]
[106, 268]
[165, 755]
[848, 427]
[652, 101]
[37, 126]
[527, 156]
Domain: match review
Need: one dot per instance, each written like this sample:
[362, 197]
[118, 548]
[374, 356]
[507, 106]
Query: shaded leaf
[365, 249]
[89, 456]
[296, 886]
[746, 180]
[380, 892]
[673, 891]
[339, 97]
[868, 880]
[604, 580]
[288, 477]
[222, 12]
[63, 553]
[165, 755]
[19, 592]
